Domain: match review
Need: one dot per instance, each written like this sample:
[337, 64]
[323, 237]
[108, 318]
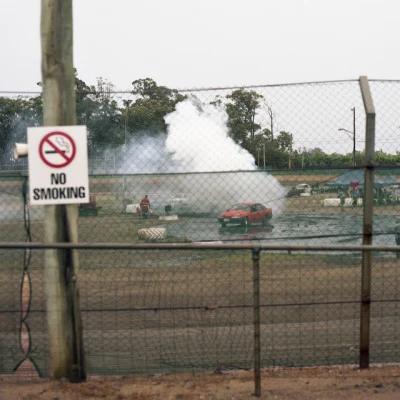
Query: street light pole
[264, 153]
[126, 104]
[354, 135]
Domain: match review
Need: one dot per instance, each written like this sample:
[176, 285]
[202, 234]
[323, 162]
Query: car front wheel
[266, 220]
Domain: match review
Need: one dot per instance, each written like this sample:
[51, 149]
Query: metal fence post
[365, 314]
[256, 320]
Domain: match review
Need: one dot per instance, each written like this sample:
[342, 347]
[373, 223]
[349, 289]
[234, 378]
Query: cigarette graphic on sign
[57, 149]
[62, 144]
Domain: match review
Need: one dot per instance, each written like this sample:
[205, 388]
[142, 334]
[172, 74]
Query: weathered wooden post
[61, 221]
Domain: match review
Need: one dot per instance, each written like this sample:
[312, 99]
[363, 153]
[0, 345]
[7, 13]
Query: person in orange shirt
[145, 206]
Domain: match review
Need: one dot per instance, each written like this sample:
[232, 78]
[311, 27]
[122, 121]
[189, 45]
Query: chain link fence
[295, 154]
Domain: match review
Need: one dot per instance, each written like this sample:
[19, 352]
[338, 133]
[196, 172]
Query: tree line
[111, 124]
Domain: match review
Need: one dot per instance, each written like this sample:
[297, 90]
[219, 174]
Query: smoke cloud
[210, 172]
[198, 140]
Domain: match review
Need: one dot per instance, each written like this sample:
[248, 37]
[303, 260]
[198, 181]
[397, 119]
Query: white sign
[58, 165]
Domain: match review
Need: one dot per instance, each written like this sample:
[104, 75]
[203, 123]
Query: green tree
[10, 110]
[96, 108]
[271, 117]
[105, 128]
[85, 101]
[284, 141]
[15, 116]
[105, 125]
[242, 110]
[153, 103]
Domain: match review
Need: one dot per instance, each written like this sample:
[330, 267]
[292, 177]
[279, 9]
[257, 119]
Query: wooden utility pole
[61, 221]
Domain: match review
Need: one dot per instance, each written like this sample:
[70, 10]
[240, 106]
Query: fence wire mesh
[295, 152]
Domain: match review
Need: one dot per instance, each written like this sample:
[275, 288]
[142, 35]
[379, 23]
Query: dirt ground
[350, 383]
[343, 382]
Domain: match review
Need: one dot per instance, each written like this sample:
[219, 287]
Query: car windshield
[243, 207]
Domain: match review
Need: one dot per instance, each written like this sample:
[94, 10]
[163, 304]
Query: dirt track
[297, 277]
[332, 383]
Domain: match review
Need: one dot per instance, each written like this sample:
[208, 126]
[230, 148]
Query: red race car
[246, 214]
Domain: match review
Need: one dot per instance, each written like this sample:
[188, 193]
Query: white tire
[152, 233]
[168, 217]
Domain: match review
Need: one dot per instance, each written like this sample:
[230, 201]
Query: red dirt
[327, 383]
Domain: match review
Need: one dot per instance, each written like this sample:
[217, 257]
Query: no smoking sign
[57, 149]
[58, 165]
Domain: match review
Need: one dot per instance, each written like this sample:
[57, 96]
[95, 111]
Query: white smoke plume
[198, 139]
[207, 167]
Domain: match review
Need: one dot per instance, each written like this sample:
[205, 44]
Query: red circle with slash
[57, 149]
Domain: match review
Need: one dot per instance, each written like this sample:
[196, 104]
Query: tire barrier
[331, 202]
[152, 233]
[172, 217]
[348, 202]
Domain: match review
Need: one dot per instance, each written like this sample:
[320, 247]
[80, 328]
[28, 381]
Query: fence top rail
[193, 246]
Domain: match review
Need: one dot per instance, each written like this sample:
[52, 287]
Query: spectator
[342, 197]
[356, 195]
[145, 206]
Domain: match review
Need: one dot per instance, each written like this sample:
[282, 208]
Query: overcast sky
[210, 43]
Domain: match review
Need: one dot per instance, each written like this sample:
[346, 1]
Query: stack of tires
[152, 234]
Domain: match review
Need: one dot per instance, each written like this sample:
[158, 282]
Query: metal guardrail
[196, 246]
